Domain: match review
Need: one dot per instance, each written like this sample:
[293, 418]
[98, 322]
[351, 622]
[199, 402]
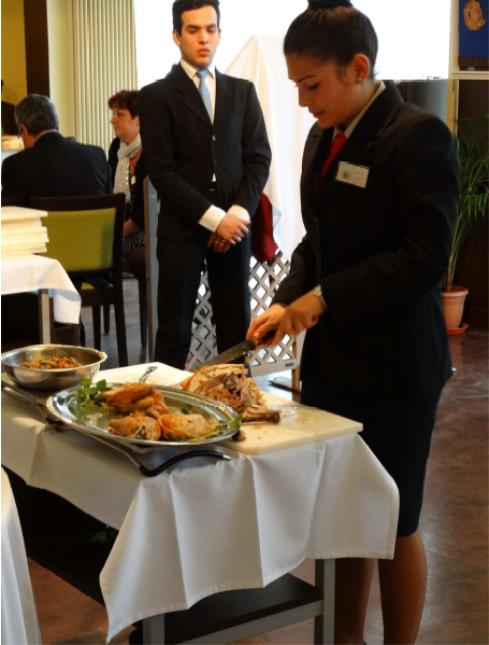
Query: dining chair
[127, 274]
[143, 304]
[85, 236]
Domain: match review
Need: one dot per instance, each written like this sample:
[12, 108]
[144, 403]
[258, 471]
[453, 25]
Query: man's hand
[128, 228]
[218, 244]
[232, 229]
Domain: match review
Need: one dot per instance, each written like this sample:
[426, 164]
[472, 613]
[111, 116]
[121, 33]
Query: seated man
[50, 165]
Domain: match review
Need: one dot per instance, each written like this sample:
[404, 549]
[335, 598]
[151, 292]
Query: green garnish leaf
[235, 424]
[101, 385]
[90, 393]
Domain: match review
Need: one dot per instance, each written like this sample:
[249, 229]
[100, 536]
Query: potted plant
[473, 207]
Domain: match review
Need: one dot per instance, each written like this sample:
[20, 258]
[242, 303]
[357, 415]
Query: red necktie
[338, 142]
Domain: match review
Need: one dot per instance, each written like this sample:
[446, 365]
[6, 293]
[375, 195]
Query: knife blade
[232, 353]
[242, 348]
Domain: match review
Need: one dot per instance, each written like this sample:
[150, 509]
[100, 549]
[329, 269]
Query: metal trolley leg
[44, 316]
[154, 630]
[324, 624]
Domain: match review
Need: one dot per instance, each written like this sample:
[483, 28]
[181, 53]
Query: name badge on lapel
[349, 173]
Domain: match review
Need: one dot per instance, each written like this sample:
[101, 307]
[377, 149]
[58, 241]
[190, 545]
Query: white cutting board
[299, 424]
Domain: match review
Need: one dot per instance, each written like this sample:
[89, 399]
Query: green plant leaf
[474, 194]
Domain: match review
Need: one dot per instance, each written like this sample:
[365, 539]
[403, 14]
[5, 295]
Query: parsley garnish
[90, 393]
[235, 424]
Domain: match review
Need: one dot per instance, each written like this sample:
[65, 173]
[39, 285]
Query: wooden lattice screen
[264, 280]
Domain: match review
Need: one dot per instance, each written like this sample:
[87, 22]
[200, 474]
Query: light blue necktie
[204, 91]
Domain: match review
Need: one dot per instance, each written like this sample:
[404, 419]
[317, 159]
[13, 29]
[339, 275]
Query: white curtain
[261, 61]
[104, 61]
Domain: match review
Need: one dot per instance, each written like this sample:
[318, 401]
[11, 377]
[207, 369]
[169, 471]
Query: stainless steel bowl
[51, 379]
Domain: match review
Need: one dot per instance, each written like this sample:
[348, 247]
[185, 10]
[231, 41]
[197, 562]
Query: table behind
[25, 273]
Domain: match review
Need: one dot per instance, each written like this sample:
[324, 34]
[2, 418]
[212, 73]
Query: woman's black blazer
[378, 251]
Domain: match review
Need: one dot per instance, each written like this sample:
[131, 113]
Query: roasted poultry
[185, 426]
[137, 426]
[135, 396]
[230, 384]
[147, 416]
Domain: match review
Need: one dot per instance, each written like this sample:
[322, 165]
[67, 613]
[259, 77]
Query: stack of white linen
[23, 231]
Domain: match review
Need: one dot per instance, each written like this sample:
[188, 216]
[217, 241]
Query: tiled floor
[454, 522]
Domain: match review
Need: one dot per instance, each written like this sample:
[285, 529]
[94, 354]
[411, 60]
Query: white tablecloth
[19, 617]
[23, 273]
[208, 526]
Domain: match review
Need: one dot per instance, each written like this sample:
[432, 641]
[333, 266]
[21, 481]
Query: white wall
[413, 34]
[61, 63]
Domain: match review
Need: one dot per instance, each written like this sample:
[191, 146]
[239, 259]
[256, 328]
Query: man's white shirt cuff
[214, 215]
[240, 212]
[212, 218]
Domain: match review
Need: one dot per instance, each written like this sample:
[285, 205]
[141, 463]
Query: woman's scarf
[126, 151]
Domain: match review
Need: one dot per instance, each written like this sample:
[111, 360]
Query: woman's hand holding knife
[300, 315]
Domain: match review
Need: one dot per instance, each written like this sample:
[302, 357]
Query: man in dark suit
[207, 154]
[50, 165]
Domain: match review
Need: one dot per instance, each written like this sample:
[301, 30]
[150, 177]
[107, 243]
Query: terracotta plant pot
[453, 306]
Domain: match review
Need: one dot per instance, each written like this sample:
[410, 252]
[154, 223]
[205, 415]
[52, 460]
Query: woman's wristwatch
[318, 292]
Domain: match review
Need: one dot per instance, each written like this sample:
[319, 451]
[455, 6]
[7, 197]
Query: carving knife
[236, 351]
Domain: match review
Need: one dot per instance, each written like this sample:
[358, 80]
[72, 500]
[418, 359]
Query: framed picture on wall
[473, 34]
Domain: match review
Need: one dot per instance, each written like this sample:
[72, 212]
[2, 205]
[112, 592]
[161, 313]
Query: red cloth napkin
[263, 246]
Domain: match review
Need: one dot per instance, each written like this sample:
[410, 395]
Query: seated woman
[128, 173]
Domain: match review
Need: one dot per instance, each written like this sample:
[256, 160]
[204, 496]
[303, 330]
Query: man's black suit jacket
[183, 150]
[379, 252]
[54, 167]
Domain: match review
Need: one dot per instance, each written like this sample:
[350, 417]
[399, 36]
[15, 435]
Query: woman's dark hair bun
[328, 4]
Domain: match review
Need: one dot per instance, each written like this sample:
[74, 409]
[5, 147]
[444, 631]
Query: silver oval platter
[93, 419]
